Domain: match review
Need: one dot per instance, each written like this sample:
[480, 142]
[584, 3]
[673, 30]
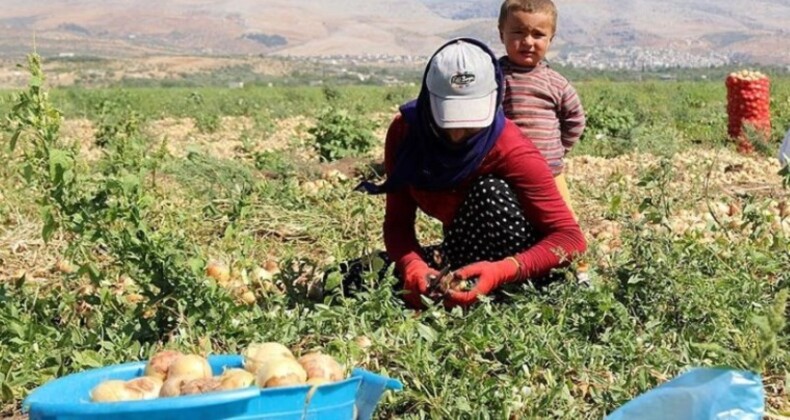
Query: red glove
[415, 282]
[490, 276]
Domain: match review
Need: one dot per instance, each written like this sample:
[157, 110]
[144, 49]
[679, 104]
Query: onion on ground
[218, 272]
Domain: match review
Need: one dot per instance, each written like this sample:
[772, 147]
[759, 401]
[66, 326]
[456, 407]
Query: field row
[105, 240]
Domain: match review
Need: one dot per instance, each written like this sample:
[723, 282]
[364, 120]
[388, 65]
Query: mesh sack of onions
[748, 105]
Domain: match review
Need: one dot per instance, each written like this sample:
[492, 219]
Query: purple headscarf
[426, 160]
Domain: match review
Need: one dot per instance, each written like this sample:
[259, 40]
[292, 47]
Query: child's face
[526, 37]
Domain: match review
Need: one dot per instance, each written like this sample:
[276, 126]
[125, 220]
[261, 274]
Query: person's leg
[582, 268]
[489, 226]
[565, 192]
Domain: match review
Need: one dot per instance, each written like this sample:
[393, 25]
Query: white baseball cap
[462, 84]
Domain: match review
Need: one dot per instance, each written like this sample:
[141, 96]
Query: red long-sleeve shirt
[513, 159]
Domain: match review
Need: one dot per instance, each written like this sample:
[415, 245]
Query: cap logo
[462, 80]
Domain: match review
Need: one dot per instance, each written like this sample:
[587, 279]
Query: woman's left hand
[490, 276]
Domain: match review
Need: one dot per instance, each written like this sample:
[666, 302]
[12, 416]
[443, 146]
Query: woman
[452, 154]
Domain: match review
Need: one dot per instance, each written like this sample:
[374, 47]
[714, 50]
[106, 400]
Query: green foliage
[48, 165]
[607, 120]
[662, 303]
[264, 123]
[340, 133]
[116, 120]
[400, 95]
[226, 187]
[111, 210]
[273, 163]
[657, 206]
[206, 122]
[332, 94]
[785, 174]
[768, 330]
[780, 109]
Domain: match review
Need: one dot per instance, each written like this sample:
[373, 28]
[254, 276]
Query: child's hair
[529, 6]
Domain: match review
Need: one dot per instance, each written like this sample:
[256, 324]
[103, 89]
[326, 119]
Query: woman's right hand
[415, 282]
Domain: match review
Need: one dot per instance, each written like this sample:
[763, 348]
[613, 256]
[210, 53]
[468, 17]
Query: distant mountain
[756, 30]
[465, 9]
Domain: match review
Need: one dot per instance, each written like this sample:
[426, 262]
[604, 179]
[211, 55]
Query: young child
[538, 99]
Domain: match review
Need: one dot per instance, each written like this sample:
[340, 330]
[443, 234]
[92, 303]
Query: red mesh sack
[748, 103]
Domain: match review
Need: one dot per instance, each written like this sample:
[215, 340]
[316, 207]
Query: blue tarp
[700, 394]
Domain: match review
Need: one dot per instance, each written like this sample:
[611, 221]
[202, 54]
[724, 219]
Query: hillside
[387, 27]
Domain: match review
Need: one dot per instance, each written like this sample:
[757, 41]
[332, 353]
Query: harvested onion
[190, 366]
[235, 379]
[65, 267]
[114, 390]
[319, 365]
[248, 297]
[256, 354]
[280, 371]
[148, 386]
[172, 386]
[363, 342]
[159, 363]
[218, 272]
[199, 386]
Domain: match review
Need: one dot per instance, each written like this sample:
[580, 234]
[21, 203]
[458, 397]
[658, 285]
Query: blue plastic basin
[69, 398]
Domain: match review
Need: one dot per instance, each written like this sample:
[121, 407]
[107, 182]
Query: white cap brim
[462, 112]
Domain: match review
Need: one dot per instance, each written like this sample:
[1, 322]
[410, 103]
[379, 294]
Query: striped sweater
[546, 108]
